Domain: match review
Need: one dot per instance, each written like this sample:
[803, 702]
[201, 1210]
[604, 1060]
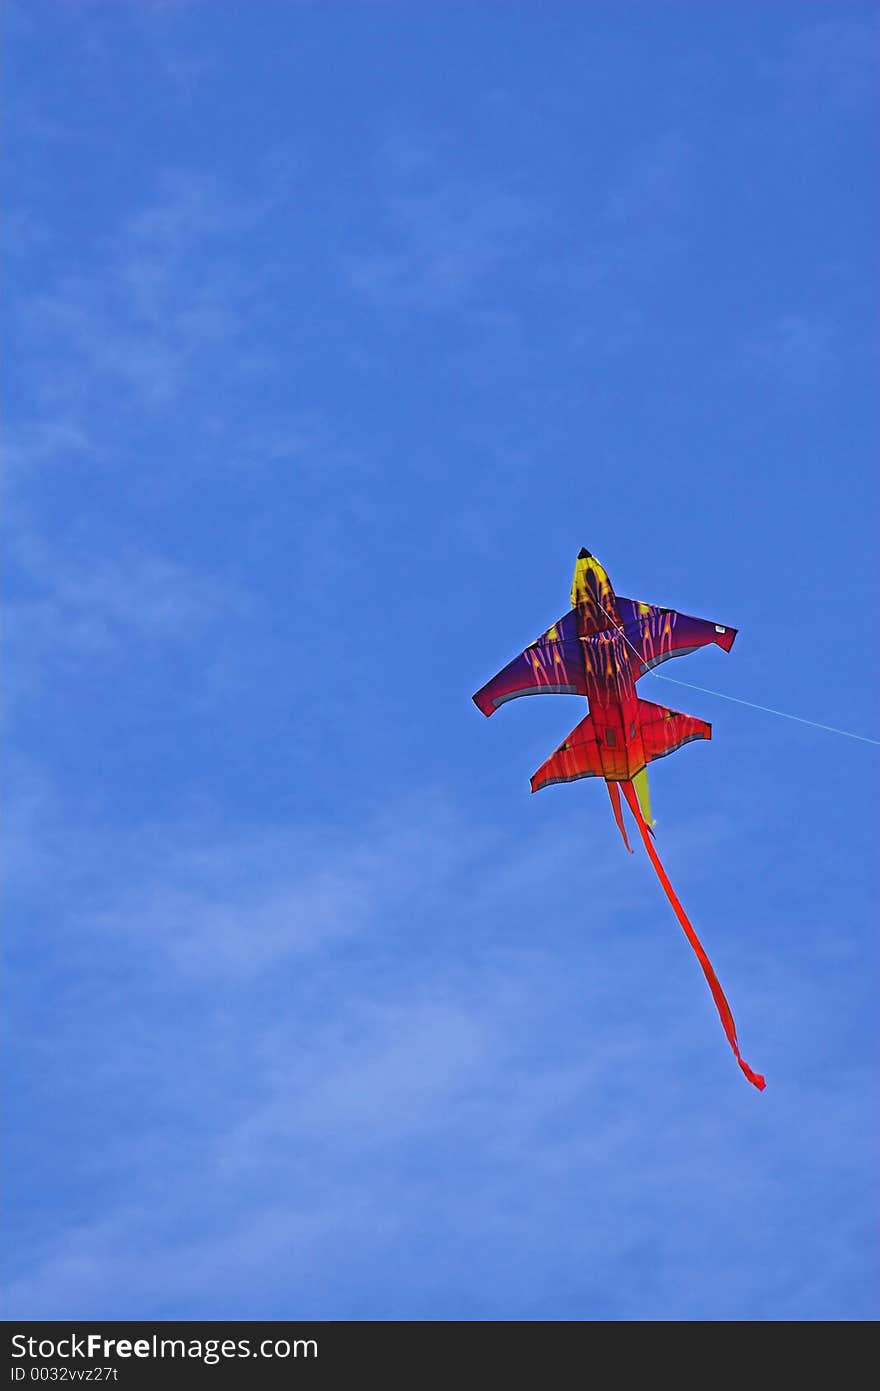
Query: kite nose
[584, 554]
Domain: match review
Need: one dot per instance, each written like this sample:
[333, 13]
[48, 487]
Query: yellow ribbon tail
[640, 783]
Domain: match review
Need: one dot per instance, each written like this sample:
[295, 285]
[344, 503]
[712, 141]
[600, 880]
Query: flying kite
[600, 649]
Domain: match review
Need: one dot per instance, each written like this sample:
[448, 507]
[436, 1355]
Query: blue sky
[332, 333]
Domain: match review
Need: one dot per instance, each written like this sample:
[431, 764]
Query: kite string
[830, 728]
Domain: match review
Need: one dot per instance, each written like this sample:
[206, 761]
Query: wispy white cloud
[97, 606]
[632, 233]
[655, 185]
[331, 1056]
[439, 1109]
[156, 305]
[795, 350]
[833, 61]
[158, 322]
[185, 72]
[170, 311]
[444, 244]
[24, 234]
[515, 1050]
[286, 1102]
[406, 154]
[450, 243]
[32, 444]
[241, 909]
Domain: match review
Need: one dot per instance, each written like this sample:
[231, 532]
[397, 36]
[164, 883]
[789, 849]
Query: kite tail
[717, 993]
[614, 794]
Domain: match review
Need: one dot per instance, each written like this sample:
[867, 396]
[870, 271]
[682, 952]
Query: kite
[600, 649]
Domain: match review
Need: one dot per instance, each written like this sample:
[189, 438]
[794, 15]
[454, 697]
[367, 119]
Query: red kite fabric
[600, 649]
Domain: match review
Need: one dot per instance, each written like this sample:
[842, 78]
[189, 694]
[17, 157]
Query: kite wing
[663, 731]
[586, 753]
[653, 635]
[579, 756]
[551, 665]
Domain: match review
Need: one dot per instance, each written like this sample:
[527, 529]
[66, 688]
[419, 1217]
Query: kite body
[600, 649]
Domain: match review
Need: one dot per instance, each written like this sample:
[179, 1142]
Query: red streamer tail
[614, 794]
[718, 995]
